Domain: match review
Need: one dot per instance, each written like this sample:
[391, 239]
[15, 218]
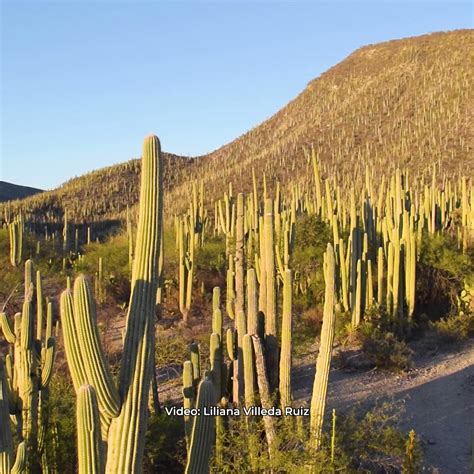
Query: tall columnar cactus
[186, 266]
[323, 364]
[65, 232]
[227, 219]
[285, 356]
[271, 343]
[252, 302]
[215, 350]
[249, 371]
[217, 312]
[15, 231]
[189, 397]
[130, 240]
[196, 363]
[204, 431]
[128, 404]
[240, 255]
[230, 293]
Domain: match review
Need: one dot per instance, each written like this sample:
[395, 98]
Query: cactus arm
[75, 359]
[7, 329]
[47, 358]
[96, 367]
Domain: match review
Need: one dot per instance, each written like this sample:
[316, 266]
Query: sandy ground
[438, 395]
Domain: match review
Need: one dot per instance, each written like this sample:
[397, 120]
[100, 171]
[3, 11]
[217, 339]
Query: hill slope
[10, 191]
[401, 103]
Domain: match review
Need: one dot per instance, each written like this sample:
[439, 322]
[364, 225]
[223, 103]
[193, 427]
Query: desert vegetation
[166, 335]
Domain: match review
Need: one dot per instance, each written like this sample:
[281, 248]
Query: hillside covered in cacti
[192, 315]
[401, 103]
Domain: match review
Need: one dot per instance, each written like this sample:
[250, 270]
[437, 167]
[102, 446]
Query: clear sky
[83, 82]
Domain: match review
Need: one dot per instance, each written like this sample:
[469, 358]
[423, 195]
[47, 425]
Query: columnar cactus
[204, 431]
[15, 231]
[286, 331]
[189, 397]
[252, 302]
[128, 404]
[89, 449]
[65, 232]
[323, 364]
[215, 350]
[249, 371]
[271, 343]
[186, 266]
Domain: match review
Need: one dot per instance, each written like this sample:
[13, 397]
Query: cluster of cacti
[200, 430]
[28, 370]
[123, 409]
[260, 366]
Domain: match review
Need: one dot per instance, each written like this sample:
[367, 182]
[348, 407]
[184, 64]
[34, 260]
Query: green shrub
[312, 236]
[363, 442]
[211, 256]
[442, 271]
[384, 349]
[165, 449]
[60, 439]
[454, 328]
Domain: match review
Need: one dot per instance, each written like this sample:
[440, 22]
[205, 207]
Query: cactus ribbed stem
[249, 372]
[286, 332]
[88, 432]
[204, 431]
[216, 363]
[96, 368]
[188, 397]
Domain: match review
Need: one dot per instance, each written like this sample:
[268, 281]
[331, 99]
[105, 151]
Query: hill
[10, 191]
[404, 103]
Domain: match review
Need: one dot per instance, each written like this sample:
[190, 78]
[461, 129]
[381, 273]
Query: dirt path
[438, 395]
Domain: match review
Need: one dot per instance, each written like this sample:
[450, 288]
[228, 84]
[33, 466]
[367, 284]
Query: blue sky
[83, 82]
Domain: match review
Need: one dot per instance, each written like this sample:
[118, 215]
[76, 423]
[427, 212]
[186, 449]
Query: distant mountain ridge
[10, 191]
[402, 103]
